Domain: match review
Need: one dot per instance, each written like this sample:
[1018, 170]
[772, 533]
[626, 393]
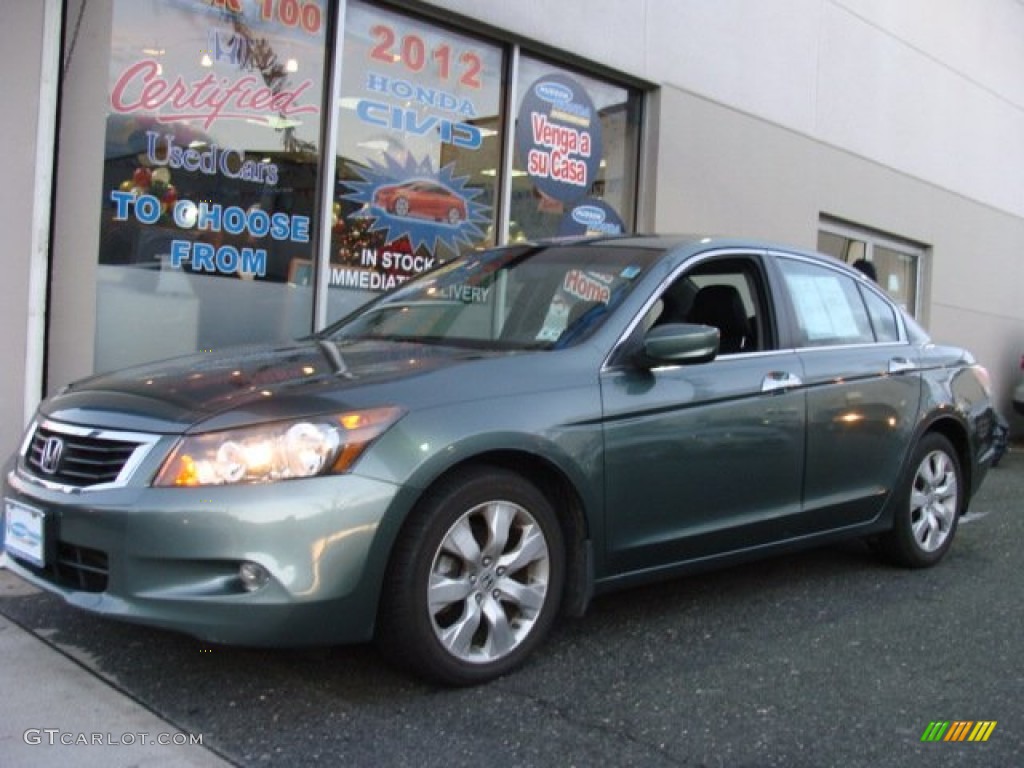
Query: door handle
[901, 365]
[780, 380]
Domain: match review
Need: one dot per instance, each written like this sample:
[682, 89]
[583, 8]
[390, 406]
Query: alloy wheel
[933, 501]
[489, 581]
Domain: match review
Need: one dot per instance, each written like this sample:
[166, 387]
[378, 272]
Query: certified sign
[23, 532]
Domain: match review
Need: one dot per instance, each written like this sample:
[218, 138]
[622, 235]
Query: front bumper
[170, 557]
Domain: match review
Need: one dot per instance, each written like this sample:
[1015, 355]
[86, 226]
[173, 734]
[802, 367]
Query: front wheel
[476, 579]
[930, 499]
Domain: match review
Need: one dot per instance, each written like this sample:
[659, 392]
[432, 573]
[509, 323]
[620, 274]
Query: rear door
[863, 390]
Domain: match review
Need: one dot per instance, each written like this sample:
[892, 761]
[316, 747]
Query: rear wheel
[476, 579]
[931, 498]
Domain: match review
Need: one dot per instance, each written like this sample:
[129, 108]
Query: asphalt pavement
[823, 658]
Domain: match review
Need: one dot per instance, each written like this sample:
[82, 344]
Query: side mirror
[680, 344]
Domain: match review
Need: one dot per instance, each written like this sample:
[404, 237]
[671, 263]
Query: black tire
[930, 500]
[400, 207]
[475, 580]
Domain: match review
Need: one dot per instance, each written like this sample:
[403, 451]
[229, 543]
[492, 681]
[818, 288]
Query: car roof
[688, 242]
[696, 243]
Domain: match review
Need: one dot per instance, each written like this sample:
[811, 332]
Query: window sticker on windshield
[587, 286]
[555, 321]
[630, 272]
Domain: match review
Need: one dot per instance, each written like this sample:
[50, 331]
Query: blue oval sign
[588, 215]
[553, 93]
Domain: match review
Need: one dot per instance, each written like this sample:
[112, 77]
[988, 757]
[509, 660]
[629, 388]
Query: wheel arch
[565, 497]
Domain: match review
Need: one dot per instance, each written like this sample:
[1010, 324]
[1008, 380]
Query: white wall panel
[885, 100]
[982, 40]
[760, 57]
[611, 32]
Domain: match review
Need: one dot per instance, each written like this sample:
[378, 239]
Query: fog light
[253, 576]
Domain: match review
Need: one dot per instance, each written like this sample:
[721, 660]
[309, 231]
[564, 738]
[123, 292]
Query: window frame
[872, 239]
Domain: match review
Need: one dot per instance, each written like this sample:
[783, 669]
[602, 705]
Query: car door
[704, 458]
[863, 391]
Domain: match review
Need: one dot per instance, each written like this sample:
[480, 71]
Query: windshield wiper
[334, 357]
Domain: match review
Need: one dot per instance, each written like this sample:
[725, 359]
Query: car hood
[250, 384]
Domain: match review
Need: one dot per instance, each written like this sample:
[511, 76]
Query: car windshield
[520, 297]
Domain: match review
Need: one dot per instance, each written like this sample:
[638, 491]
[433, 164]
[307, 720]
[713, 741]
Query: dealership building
[191, 174]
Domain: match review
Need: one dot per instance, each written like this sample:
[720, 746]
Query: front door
[706, 458]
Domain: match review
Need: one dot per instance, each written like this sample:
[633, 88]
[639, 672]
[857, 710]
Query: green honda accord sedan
[495, 442]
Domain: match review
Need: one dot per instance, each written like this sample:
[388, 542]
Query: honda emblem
[49, 460]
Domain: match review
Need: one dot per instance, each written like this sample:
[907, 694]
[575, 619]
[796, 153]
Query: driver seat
[721, 307]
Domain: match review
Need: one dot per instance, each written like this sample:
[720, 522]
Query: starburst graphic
[451, 218]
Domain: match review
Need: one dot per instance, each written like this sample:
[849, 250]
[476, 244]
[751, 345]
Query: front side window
[726, 293]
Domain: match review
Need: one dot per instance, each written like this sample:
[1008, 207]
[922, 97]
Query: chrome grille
[76, 457]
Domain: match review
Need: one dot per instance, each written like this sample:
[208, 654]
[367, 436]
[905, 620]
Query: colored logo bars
[958, 730]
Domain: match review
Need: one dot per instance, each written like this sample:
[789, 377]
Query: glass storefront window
[897, 270]
[893, 263]
[210, 175]
[419, 137]
[214, 200]
[577, 143]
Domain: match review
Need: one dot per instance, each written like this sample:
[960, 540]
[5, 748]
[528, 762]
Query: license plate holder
[25, 532]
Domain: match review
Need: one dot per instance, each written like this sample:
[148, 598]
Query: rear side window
[828, 305]
[883, 316]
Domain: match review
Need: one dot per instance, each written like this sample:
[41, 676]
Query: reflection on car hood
[256, 383]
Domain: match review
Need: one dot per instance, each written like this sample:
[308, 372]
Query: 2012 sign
[412, 52]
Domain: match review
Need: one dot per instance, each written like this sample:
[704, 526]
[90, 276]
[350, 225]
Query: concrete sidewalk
[55, 712]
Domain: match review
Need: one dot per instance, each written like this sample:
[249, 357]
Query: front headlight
[271, 452]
